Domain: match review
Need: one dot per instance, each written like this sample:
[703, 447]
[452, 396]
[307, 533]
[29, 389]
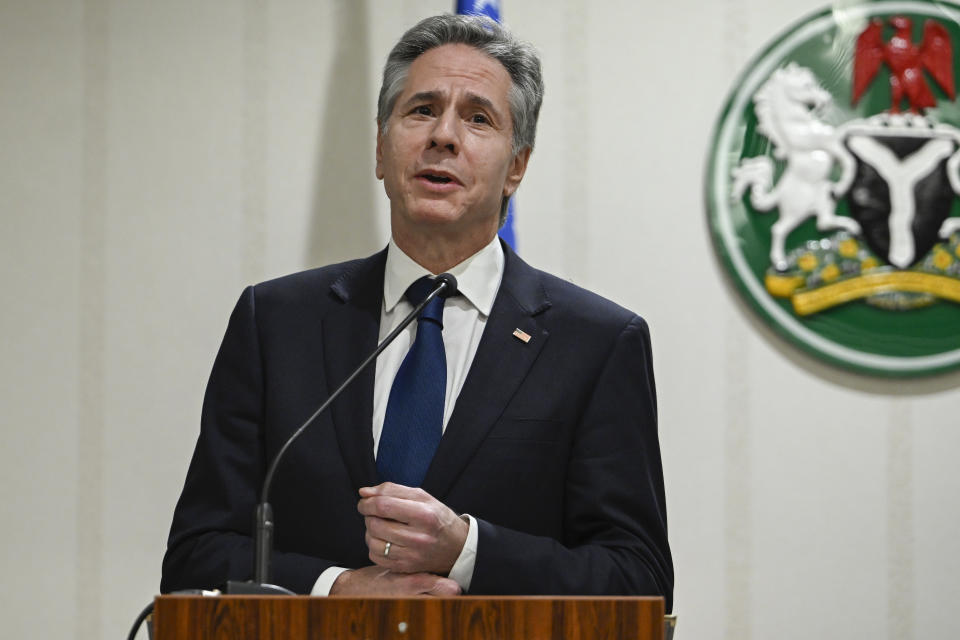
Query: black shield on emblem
[920, 199]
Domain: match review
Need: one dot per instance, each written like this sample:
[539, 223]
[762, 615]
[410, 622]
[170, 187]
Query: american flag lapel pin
[521, 335]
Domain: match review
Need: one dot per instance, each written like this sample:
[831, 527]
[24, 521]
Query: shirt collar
[478, 277]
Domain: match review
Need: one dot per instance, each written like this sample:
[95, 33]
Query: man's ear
[379, 169]
[518, 166]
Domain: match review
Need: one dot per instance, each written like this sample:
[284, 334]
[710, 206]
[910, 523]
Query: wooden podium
[460, 618]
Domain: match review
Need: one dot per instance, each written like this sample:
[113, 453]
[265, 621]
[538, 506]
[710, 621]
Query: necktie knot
[417, 293]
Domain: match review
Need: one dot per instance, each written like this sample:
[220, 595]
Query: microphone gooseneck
[446, 286]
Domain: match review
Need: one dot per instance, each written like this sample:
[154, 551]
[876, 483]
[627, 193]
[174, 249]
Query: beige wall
[157, 156]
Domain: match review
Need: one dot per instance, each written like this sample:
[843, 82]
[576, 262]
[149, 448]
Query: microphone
[448, 291]
[446, 286]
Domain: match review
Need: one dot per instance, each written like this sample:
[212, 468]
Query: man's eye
[423, 110]
[479, 118]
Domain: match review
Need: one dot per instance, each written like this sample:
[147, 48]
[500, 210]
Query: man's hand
[377, 581]
[424, 534]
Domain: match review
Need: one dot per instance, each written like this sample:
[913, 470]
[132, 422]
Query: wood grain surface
[462, 618]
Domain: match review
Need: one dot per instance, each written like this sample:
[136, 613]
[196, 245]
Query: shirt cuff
[325, 582]
[462, 571]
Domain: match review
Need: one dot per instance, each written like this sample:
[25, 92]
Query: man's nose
[446, 132]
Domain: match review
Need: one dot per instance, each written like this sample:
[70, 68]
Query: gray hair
[517, 57]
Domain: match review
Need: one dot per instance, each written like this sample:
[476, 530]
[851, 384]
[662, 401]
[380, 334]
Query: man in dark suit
[531, 463]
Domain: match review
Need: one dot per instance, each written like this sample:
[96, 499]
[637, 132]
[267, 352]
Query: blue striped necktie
[413, 422]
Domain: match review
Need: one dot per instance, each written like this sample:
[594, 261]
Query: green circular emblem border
[717, 194]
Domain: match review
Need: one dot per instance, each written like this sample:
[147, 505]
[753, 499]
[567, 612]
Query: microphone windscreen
[451, 282]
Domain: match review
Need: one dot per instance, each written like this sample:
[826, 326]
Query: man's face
[446, 157]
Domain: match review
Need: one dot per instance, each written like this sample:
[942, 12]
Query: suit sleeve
[211, 536]
[614, 520]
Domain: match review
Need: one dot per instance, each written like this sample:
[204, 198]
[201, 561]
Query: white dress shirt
[464, 318]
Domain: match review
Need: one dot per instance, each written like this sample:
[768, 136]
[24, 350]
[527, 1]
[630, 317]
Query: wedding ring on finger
[386, 550]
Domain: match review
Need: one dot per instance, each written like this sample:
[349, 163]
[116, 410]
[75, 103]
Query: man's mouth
[438, 177]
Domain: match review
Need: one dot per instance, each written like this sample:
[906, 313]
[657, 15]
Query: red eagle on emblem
[906, 62]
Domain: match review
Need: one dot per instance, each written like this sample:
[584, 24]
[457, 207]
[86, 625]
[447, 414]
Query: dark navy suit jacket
[552, 444]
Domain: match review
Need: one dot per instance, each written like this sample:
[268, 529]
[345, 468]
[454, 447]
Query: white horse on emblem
[787, 106]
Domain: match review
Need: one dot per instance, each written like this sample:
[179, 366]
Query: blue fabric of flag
[489, 8]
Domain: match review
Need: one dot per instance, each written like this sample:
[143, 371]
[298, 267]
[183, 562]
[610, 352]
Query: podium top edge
[424, 597]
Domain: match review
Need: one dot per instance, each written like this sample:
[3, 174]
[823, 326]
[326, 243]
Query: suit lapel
[499, 367]
[349, 335]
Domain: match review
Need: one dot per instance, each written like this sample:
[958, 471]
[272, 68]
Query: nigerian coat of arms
[833, 187]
